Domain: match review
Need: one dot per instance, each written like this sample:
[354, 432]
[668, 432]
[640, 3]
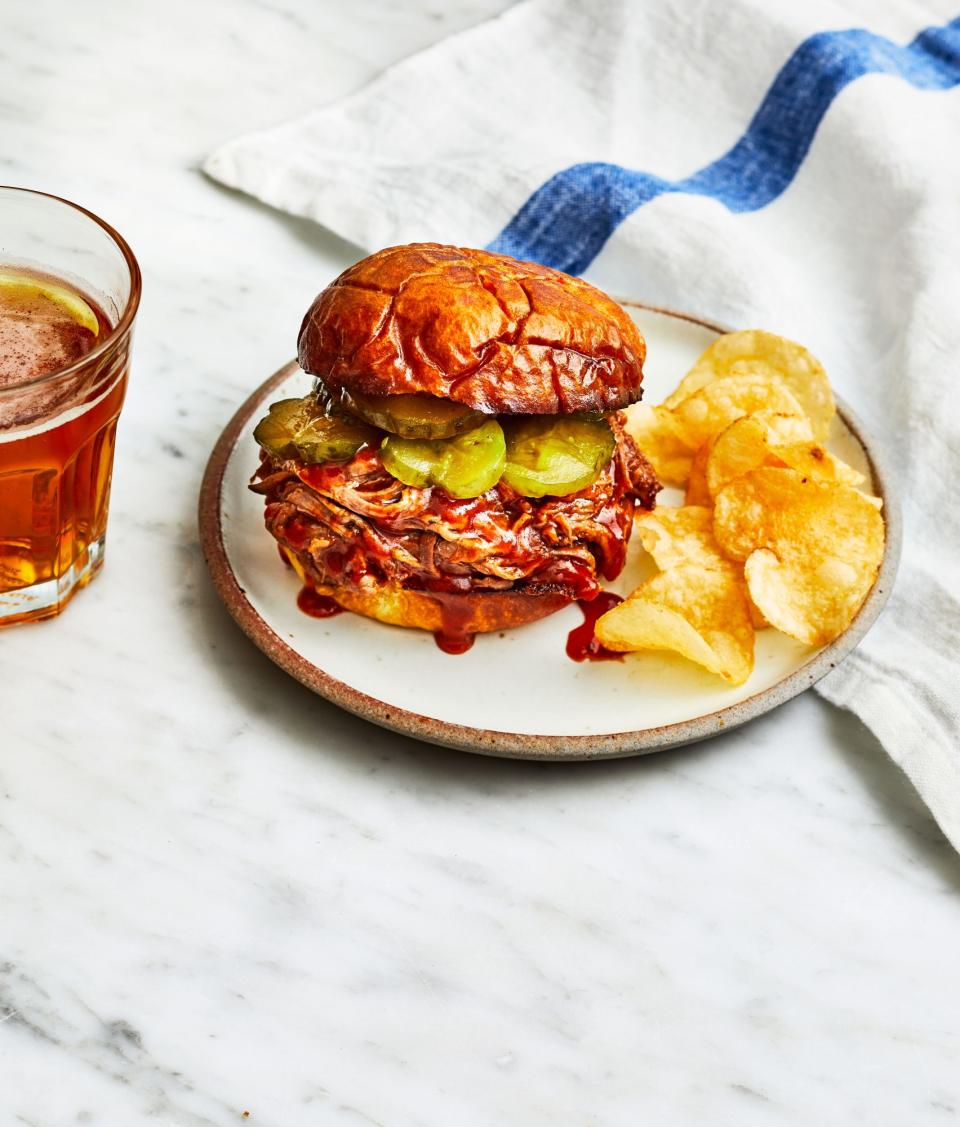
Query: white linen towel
[794, 167]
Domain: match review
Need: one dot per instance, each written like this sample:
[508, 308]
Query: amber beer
[65, 326]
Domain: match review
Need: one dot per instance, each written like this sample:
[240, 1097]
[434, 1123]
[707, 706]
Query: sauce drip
[453, 643]
[453, 636]
[316, 605]
[582, 644]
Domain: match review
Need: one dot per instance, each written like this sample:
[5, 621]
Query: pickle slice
[301, 428]
[413, 416]
[465, 466]
[553, 455]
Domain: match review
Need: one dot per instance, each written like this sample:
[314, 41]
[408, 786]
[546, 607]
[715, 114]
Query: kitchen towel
[789, 166]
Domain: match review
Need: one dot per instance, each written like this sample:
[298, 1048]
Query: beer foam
[44, 326]
[32, 346]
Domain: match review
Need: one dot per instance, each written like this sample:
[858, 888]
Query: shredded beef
[354, 523]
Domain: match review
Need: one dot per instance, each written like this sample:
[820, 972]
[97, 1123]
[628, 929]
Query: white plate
[514, 693]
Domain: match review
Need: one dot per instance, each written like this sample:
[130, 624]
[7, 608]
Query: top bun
[482, 329]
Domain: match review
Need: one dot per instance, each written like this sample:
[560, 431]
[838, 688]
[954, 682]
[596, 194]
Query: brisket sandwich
[461, 464]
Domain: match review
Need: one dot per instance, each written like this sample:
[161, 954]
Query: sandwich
[461, 464]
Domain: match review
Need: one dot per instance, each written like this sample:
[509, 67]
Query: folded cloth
[793, 167]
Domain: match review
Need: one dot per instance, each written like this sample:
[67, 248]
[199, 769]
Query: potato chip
[753, 352]
[811, 549]
[742, 447]
[785, 428]
[757, 617]
[675, 537]
[811, 605]
[697, 491]
[714, 407]
[748, 444]
[812, 460]
[699, 613]
[657, 432]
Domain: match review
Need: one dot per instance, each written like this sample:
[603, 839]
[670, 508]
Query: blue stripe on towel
[568, 219]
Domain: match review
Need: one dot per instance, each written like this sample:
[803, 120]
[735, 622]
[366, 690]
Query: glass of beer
[69, 291]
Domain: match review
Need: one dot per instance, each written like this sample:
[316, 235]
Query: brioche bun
[478, 612]
[481, 329]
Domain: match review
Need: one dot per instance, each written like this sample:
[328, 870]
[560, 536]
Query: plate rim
[509, 745]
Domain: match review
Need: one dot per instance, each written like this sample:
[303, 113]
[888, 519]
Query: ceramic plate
[515, 693]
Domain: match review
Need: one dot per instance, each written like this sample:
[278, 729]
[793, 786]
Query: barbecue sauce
[453, 643]
[505, 514]
[317, 605]
[453, 636]
[582, 642]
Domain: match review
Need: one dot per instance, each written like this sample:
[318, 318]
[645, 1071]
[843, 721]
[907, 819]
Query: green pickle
[414, 416]
[301, 428]
[465, 466]
[553, 455]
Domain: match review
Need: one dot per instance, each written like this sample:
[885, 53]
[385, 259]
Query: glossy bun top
[482, 329]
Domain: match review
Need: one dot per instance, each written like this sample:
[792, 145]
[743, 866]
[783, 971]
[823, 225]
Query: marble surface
[224, 901]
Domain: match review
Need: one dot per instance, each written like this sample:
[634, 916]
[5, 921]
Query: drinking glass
[58, 428]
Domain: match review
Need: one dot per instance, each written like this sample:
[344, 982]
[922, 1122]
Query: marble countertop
[223, 900]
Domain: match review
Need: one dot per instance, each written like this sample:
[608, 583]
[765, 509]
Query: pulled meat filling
[353, 523]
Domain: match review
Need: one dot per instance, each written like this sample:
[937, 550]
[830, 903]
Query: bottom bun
[476, 613]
